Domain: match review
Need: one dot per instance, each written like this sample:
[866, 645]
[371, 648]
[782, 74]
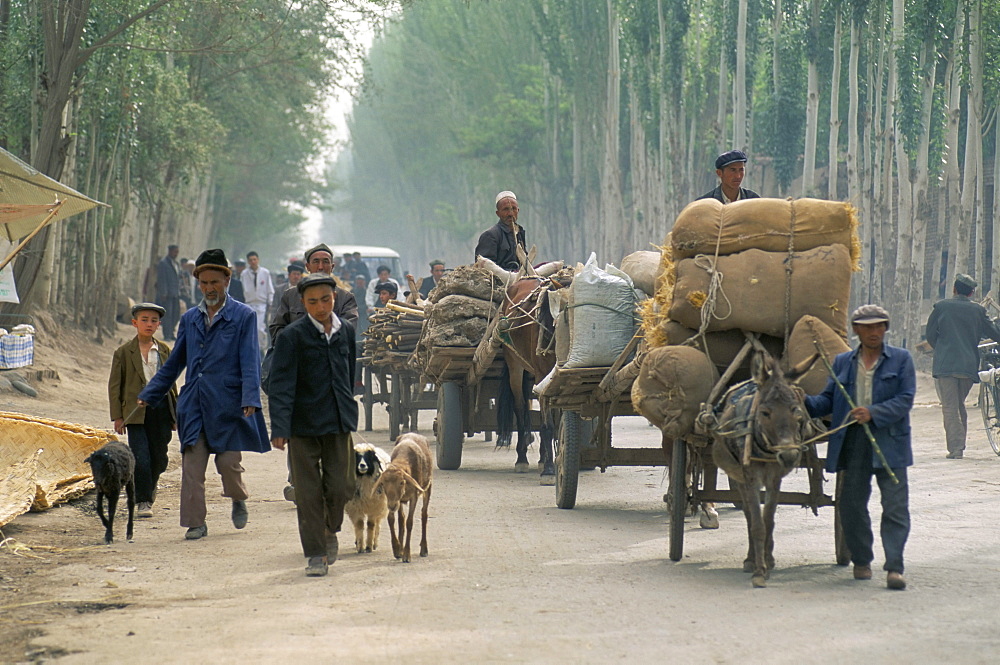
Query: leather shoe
[957, 455]
[240, 514]
[895, 581]
[862, 572]
[289, 493]
[316, 567]
[196, 532]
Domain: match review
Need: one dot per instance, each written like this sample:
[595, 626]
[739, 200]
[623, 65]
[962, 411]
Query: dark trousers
[953, 390]
[856, 462]
[149, 443]
[172, 305]
[324, 479]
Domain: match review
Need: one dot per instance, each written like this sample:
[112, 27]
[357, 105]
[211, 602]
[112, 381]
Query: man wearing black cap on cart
[880, 383]
[954, 329]
[731, 168]
[218, 411]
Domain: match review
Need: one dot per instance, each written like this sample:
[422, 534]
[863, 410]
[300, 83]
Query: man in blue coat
[218, 411]
[882, 382]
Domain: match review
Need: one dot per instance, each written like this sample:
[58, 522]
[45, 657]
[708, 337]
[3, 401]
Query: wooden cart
[589, 398]
[400, 388]
[692, 459]
[468, 381]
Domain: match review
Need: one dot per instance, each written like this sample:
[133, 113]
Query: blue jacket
[223, 376]
[893, 388]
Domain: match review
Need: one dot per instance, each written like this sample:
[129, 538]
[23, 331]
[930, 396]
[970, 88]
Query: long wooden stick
[850, 403]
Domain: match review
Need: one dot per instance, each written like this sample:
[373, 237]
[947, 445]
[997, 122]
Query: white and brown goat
[407, 477]
[368, 505]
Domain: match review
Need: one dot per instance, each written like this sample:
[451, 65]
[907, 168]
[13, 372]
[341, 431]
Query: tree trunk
[740, 81]
[958, 244]
[833, 167]
[723, 96]
[854, 160]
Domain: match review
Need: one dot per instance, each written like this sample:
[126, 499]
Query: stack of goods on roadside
[780, 268]
[393, 330]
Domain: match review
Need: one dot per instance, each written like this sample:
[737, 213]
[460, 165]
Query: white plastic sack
[603, 302]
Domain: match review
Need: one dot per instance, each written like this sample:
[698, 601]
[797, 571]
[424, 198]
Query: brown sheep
[404, 480]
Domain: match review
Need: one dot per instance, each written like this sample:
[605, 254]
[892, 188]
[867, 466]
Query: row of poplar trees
[605, 117]
[197, 121]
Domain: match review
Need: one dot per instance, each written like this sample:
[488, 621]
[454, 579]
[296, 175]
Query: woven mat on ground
[59, 472]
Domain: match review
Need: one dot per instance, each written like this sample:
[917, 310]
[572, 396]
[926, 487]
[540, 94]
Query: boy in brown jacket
[149, 428]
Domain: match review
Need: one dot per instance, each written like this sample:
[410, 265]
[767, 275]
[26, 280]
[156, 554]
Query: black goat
[113, 466]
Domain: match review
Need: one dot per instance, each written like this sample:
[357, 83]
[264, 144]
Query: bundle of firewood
[393, 330]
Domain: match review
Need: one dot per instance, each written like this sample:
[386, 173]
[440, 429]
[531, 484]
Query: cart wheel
[395, 406]
[843, 554]
[449, 427]
[568, 459]
[679, 499]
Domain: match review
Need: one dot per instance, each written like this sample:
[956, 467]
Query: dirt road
[510, 578]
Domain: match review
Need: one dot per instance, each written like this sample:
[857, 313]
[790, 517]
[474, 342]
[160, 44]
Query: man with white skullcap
[499, 242]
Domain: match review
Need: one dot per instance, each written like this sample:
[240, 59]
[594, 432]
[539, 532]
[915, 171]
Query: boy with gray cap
[881, 382]
[954, 329]
[149, 427]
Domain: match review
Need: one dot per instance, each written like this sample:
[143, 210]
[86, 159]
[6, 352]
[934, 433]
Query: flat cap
[315, 279]
[869, 314]
[148, 306]
[728, 158]
[212, 259]
[296, 266]
[437, 262]
[322, 247]
[966, 280]
[388, 287]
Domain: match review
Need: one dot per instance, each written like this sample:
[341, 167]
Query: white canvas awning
[30, 200]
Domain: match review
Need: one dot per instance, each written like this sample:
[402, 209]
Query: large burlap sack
[643, 267]
[468, 281]
[455, 306]
[752, 295]
[764, 224]
[801, 347]
[722, 346]
[602, 321]
[671, 386]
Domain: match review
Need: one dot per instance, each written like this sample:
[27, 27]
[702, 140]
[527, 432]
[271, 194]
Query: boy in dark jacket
[313, 408]
[149, 428]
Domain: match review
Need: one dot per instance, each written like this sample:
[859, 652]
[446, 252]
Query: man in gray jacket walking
[954, 329]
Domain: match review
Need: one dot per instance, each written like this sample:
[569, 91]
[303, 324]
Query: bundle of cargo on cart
[749, 295]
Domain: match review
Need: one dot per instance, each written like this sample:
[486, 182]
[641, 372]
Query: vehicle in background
[373, 257]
